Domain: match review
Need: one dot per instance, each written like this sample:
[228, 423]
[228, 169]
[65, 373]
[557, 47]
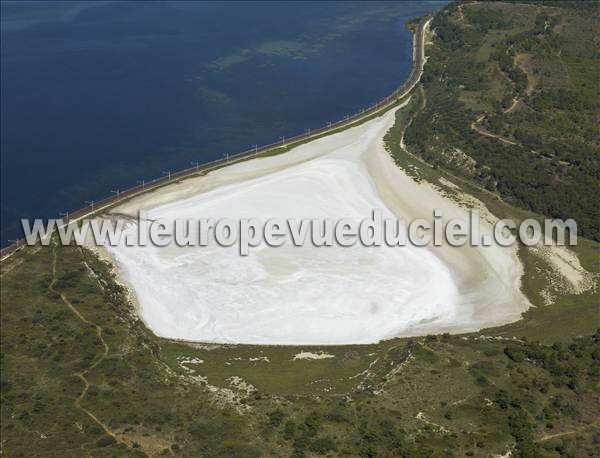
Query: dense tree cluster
[553, 167]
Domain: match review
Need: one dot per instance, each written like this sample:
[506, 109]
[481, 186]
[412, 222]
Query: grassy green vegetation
[571, 313]
[461, 83]
[544, 60]
[46, 346]
[444, 395]
[82, 376]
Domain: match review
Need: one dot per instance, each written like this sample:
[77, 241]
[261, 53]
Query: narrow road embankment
[380, 107]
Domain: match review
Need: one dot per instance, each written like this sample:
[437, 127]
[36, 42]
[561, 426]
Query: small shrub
[105, 441]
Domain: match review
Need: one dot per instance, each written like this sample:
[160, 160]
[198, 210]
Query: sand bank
[308, 295]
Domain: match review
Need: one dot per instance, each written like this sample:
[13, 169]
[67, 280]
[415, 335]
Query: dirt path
[523, 61]
[516, 103]
[513, 106]
[553, 436]
[11, 267]
[480, 130]
[452, 176]
[82, 375]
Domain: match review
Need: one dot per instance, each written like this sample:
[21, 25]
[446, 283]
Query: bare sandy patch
[310, 355]
[188, 294]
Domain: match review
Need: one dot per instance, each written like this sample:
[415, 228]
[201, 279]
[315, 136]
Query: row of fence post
[143, 185]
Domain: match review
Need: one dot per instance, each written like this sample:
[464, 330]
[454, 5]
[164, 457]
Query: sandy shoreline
[484, 290]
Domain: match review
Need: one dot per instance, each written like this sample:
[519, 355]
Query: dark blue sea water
[97, 95]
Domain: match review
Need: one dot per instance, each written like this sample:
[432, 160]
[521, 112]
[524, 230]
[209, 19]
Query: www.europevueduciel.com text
[251, 232]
